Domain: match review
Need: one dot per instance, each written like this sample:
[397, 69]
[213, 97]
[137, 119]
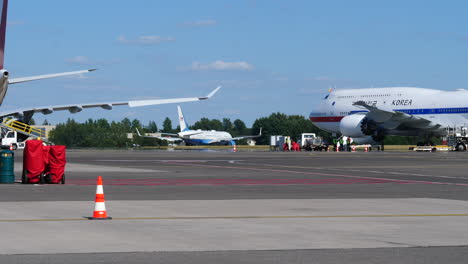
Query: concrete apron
[210, 225]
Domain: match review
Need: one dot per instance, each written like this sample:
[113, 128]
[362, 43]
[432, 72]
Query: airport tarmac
[243, 207]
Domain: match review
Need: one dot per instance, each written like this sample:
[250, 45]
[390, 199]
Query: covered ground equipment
[55, 171]
[33, 162]
[43, 164]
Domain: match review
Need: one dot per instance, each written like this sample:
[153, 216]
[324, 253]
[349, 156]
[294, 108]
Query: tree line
[101, 133]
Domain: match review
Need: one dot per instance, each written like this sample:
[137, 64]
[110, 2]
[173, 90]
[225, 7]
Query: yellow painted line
[239, 217]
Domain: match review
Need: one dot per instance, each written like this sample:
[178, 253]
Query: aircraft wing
[235, 138]
[244, 137]
[171, 139]
[395, 119]
[46, 76]
[27, 113]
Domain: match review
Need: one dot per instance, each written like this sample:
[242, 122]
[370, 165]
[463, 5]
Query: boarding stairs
[23, 128]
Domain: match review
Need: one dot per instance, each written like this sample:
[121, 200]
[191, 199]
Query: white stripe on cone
[99, 206]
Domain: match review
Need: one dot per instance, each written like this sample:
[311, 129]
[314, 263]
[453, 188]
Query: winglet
[259, 134]
[138, 132]
[211, 94]
[91, 70]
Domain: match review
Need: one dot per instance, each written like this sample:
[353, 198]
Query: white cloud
[79, 60]
[15, 23]
[145, 40]
[201, 23]
[84, 60]
[220, 65]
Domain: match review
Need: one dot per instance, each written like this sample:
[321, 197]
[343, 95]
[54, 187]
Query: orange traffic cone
[353, 148]
[366, 149]
[235, 148]
[11, 146]
[100, 207]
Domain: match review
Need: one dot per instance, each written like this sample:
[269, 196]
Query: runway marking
[324, 174]
[239, 217]
[371, 171]
[192, 181]
[158, 160]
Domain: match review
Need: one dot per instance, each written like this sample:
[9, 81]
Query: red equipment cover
[33, 160]
[46, 150]
[57, 161]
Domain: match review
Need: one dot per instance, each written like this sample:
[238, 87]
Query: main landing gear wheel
[460, 147]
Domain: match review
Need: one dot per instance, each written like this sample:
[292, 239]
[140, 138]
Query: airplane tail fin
[3, 24]
[182, 123]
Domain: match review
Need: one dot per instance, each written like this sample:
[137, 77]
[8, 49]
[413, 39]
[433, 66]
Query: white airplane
[25, 115]
[199, 137]
[368, 115]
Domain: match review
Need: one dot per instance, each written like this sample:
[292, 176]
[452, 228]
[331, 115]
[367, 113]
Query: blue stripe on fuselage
[206, 142]
[427, 111]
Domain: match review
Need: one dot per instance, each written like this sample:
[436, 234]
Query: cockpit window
[326, 97]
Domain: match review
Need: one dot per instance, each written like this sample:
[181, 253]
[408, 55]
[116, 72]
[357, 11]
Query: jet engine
[3, 84]
[359, 126]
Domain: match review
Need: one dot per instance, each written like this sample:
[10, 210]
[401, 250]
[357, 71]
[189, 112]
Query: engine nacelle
[350, 126]
[359, 126]
[3, 84]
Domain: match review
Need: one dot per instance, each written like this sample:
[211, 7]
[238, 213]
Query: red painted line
[319, 119]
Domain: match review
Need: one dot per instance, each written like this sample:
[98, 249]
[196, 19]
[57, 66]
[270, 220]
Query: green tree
[152, 127]
[227, 125]
[167, 125]
[240, 129]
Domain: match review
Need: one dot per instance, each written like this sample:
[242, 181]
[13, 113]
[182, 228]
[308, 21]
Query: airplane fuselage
[447, 108]
[202, 137]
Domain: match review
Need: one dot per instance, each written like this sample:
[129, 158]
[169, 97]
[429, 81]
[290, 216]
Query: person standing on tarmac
[341, 144]
[348, 144]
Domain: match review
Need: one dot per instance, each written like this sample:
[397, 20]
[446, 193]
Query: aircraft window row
[346, 96]
[345, 113]
[453, 110]
[376, 95]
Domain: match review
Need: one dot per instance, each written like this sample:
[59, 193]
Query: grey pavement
[244, 207]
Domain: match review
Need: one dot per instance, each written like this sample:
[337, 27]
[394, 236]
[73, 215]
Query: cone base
[99, 218]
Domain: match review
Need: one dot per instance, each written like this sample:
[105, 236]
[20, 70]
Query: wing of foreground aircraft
[26, 114]
[46, 76]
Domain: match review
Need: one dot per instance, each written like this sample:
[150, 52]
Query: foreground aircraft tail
[182, 123]
[3, 24]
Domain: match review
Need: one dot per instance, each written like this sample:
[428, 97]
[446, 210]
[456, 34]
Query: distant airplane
[25, 115]
[199, 137]
[368, 115]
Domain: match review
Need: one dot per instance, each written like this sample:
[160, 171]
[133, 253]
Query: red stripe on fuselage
[318, 119]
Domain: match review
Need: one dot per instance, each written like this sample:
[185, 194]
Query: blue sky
[270, 56]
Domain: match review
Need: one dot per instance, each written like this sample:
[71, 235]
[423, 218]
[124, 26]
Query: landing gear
[460, 147]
